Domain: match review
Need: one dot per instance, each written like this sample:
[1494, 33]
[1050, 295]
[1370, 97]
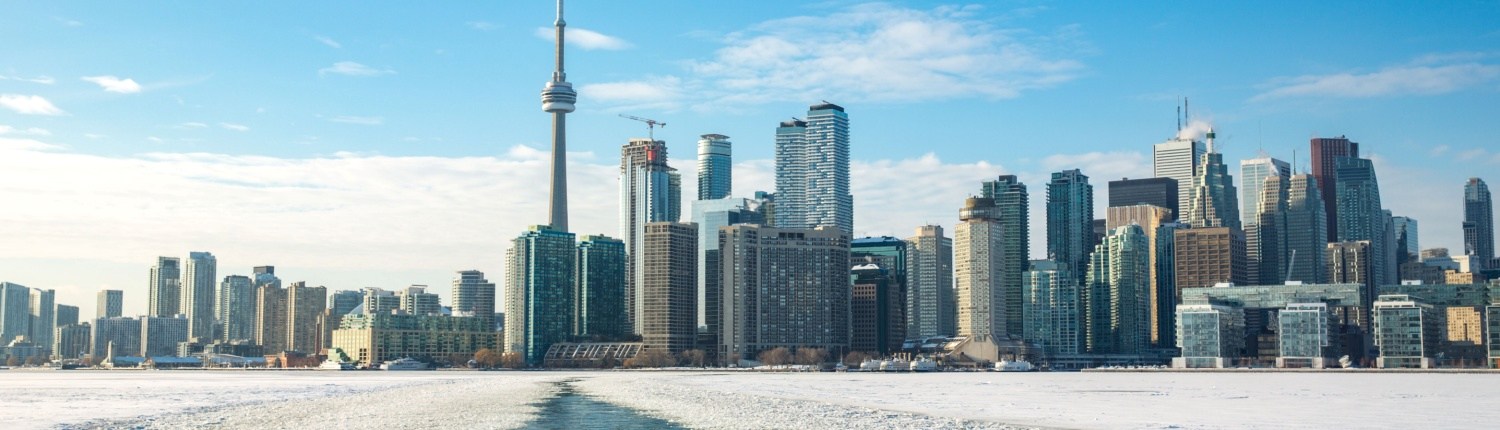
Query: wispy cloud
[361, 120]
[29, 131]
[190, 125]
[1431, 74]
[44, 79]
[29, 105]
[328, 41]
[115, 84]
[657, 93]
[1102, 166]
[351, 68]
[585, 39]
[234, 127]
[481, 25]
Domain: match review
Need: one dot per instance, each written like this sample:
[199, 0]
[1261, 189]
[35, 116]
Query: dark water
[570, 410]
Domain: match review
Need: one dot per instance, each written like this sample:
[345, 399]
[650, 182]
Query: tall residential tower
[812, 171]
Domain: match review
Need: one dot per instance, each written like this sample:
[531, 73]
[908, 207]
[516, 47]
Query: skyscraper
[646, 196]
[539, 291]
[1325, 154]
[1116, 305]
[270, 318]
[199, 279]
[1012, 213]
[344, 301]
[1159, 192]
[1265, 244]
[124, 333]
[600, 307]
[304, 305]
[875, 323]
[1070, 220]
[1150, 219]
[1361, 217]
[43, 319]
[236, 310]
[715, 168]
[812, 171]
[1052, 310]
[264, 275]
[166, 288]
[1178, 159]
[784, 288]
[710, 215]
[15, 311]
[1253, 173]
[1407, 243]
[415, 300]
[1213, 201]
[669, 290]
[1479, 221]
[474, 296]
[111, 303]
[930, 306]
[981, 303]
[160, 336]
[1209, 256]
[66, 315]
[1304, 232]
[557, 99]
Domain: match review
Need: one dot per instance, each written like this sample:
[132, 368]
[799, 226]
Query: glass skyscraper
[649, 193]
[1479, 221]
[1178, 159]
[1070, 221]
[1360, 216]
[1253, 173]
[715, 167]
[1012, 214]
[199, 280]
[1051, 307]
[1325, 155]
[165, 294]
[236, 309]
[812, 171]
[1116, 302]
[1213, 201]
[599, 310]
[539, 292]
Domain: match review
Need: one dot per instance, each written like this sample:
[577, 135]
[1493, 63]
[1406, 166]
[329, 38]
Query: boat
[923, 365]
[405, 363]
[331, 364]
[1014, 366]
[870, 365]
[894, 365]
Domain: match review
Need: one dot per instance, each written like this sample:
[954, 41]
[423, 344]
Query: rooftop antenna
[1179, 119]
[650, 125]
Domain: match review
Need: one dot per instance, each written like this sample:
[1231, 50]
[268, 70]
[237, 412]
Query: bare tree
[34, 360]
[855, 358]
[733, 359]
[652, 358]
[13, 361]
[694, 357]
[811, 356]
[776, 357]
[487, 358]
[512, 360]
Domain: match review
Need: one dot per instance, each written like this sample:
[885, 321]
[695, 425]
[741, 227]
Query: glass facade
[539, 292]
[1209, 334]
[1492, 333]
[599, 311]
[1405, 332]
[714, 167]
[1051, 305]
[1070, 221]
[1303, 330]
[812, 170]
[1012, 215]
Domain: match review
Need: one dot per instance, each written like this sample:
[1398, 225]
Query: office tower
[1325, 154]
[557, 99]
[65, 315]
[1052, 310]
[767, 203]
[1178, 159]
[304, 306]
[875, 324]
[1304, 231]
[1350, 263]
[166, 288]
[1253, 173]
[784, 288]
[710, 215]
[930, 307]
[72, 341]
[1159, 192]
[976, 259]
[1407, 244]
[122, 332]
[1116, 302]
[1361, 217]
[1265, 244]
[346, 300]
[160, 336]
[1479, 221]
[1070, 220]
[1213, 201]
[474, 296]
[715, 169]
[270, 318]
[379, 301]
[1209, 256]
[199, 279]
[1165, 294]
[111, 303]
[415, 300]
[1012, 206]
[645, 197]
[880, 264]
[1098, 233]
[669, 290]
[1150, 219]
[42, 317]
[600, 293]
[264, 275]
[539, 291]
[236, 310]
[812, 170]
[15, 311]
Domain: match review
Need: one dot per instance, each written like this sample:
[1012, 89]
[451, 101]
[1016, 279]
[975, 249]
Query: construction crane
[650, 124]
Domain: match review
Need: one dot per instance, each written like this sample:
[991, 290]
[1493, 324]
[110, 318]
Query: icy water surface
[571, 410]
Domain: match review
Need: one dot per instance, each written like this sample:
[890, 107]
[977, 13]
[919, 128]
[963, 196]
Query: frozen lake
[309, 399]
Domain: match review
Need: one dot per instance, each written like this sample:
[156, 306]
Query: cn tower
[558, 98]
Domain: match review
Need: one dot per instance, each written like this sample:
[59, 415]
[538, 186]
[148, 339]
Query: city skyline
[326, 206]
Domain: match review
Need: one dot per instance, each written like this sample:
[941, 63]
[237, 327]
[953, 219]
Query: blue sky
[363, 145]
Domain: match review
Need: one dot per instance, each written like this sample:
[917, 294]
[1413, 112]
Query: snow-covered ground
[261, 399]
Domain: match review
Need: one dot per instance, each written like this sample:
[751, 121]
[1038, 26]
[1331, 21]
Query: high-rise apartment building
[646, 196]
[1304, 231]
[474, 296]
[1052, 308]
[199, 280]
[930, 306]
[380, 301]
[1361, 217]
[1326, 151]
[160, 336]
[1012, 211]
[669, 290]
[111, 303]
[1253, 173]
[166, 288]
[270, 318]
[15, 311]
[1116, 302]
[715, 167]
[710, 215]
[1159, 192]
[1479, 221]
[539, 291]
[304, 307]
[415, 300]
[66, 315]
[72, 341]
[236, 310]
[1178, 159]
[1150, 219]
[123, 333]
[784, 288]
[981, 303]
[43, 317]
[812, 171]
[342, 302]
[1070, 220]
[600, 292]
[1209, 256]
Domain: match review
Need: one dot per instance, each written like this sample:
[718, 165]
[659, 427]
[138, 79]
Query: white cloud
[481, 25]
[44, 79]
[585, 39]
[114, 84]
[29, 105]
[659, 93]
[8, 144]
[328, 41]
[1438, 150]
[190, 125]
[94, 136]
[1427, 75]
[30, 131]
[234, 127]
[361, 120]
[351, 68]
[1102, 167]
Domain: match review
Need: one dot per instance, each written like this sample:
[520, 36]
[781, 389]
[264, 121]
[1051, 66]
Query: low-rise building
[371, 339]
[1492, 333]
[1303, 333]
[1407, 332]
[1211, 334]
